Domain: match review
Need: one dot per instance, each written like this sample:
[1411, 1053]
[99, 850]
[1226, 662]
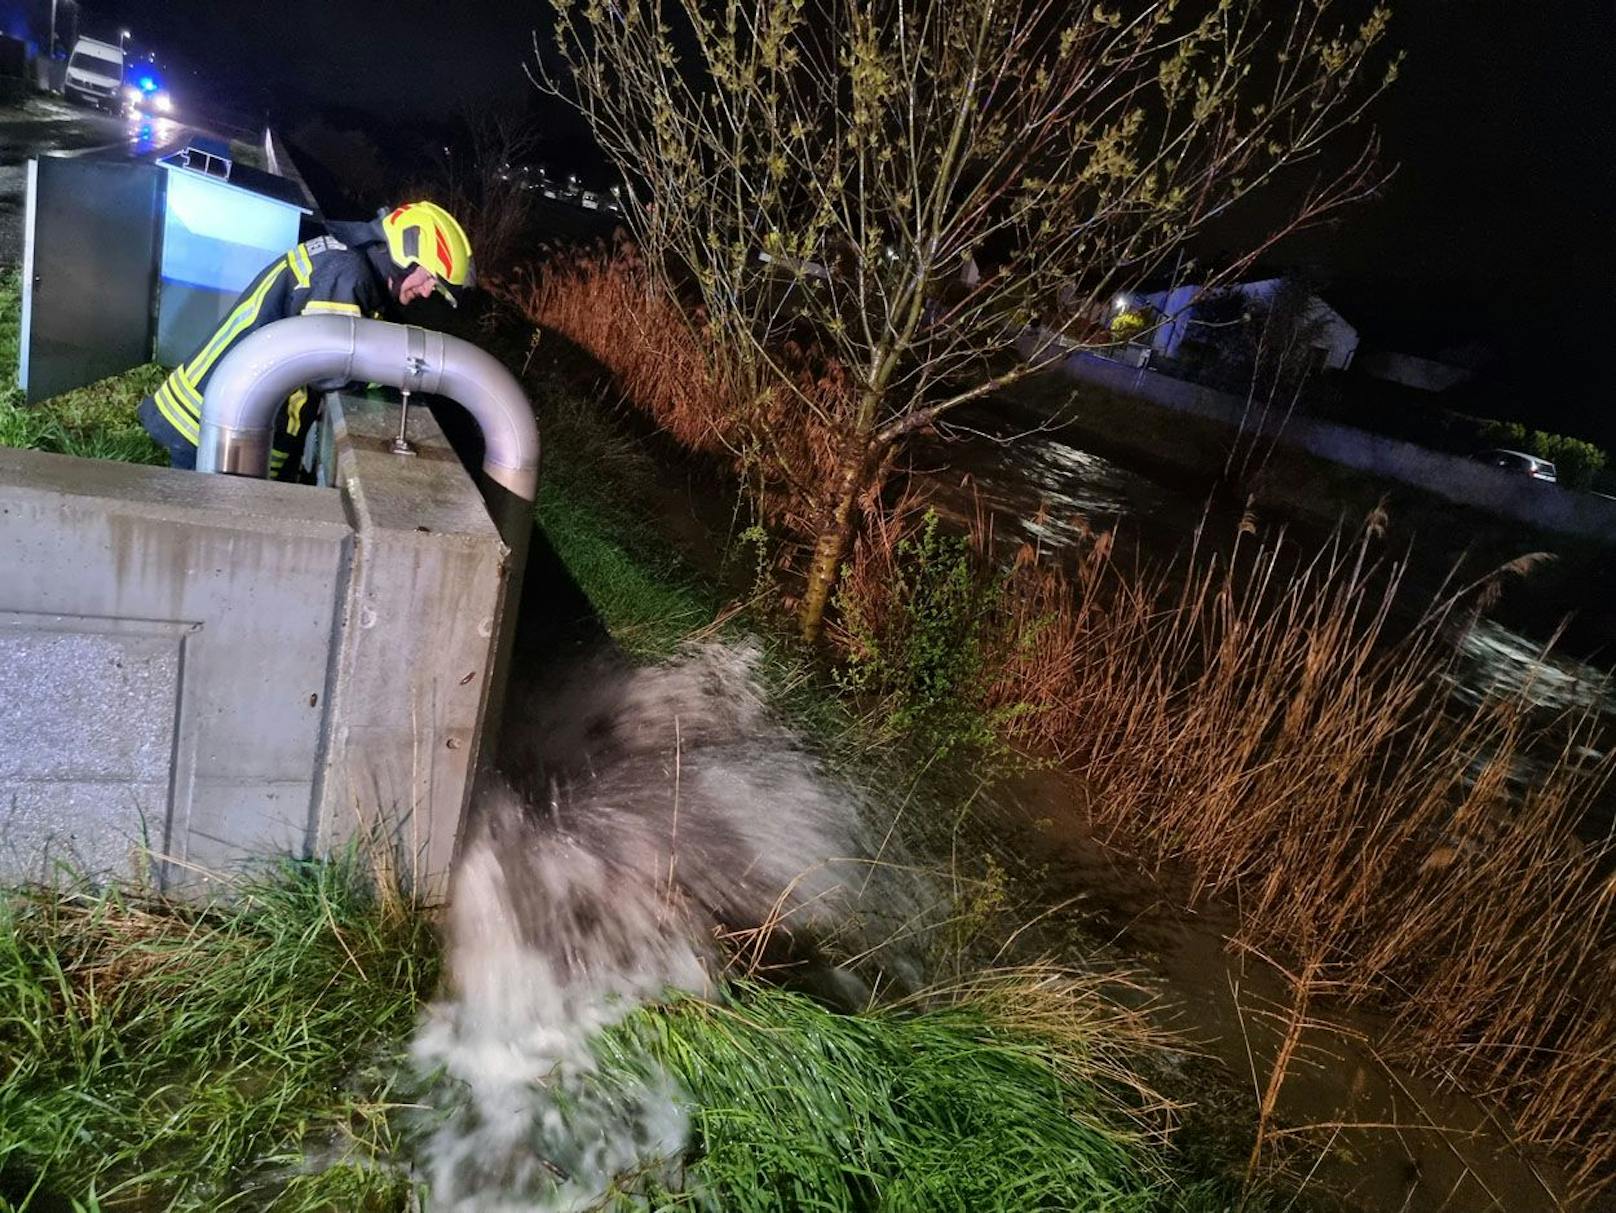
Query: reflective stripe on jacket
[322, 276]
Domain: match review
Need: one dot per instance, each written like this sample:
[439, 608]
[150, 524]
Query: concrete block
[425, 606]
[216, 668]
[87, 753]
[150, 613]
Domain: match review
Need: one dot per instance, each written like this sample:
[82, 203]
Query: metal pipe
[254, 379]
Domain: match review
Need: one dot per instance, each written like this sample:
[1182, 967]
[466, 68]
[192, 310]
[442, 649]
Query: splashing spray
[658, 811]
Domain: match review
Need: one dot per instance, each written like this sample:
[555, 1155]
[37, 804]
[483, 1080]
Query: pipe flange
[415, 363]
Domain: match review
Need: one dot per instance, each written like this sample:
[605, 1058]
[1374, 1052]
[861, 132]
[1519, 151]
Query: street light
[123, 36]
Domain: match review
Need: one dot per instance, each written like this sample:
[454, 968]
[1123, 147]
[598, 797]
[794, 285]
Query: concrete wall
[163, 662]
[424, 610]
[211, 668]
[1465, 481]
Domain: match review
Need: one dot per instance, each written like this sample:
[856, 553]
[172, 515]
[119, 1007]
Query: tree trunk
[835, 536]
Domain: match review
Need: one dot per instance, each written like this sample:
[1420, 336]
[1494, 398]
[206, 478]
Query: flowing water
[657, 809]
[1050, 490]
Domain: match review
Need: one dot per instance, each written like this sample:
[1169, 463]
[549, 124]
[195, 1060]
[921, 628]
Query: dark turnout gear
[344, 273]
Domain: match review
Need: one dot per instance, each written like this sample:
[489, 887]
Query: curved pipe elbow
[250, 384]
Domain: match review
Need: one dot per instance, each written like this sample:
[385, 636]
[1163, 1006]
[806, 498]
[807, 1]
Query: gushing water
[660, 810]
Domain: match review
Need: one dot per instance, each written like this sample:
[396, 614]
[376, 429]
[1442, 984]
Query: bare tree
[918, 181]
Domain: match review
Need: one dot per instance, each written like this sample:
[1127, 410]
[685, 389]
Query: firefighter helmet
[423, 233]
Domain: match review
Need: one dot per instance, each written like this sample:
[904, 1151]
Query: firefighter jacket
[340, 274]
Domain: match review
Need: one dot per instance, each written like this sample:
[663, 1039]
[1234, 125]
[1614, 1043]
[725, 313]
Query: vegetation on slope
[96, 422]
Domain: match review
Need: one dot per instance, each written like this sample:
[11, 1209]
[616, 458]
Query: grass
[93, 422]
[249, 1056]
[590, 509]
[160, 1055]
[948, 1109]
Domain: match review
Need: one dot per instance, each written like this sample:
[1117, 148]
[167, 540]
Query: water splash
[657, 810]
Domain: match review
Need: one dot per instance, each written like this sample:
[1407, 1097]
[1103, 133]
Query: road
[43, 125]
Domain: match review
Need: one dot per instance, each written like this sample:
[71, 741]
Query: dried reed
[1259, 720]
[777, 431]
[1277, 727]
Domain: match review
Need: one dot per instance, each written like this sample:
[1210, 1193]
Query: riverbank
[1435, 1173]
[644, 549]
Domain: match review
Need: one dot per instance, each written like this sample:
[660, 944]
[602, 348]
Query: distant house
[1335, 342]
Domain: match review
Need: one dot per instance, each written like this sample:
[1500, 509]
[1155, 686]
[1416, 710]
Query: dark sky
[1499, 225]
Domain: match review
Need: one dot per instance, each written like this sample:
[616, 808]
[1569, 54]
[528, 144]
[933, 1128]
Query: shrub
[1132, 323]
[1511, 435]
[913, 611]
[1578, 463]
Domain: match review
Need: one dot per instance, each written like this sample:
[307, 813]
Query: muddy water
[1372, 1136]
[1436, 1150]
[1048, 490]
[649, 810]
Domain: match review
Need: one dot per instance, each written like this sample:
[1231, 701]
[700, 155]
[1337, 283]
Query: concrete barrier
[1452, 477]
[201, 669]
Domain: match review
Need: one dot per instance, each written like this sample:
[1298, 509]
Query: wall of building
[1426, 374]
[203, 669]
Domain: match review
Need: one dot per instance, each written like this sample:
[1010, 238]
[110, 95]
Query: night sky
[1498, 227]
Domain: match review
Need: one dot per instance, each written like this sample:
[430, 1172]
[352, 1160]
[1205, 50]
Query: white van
[95, 73]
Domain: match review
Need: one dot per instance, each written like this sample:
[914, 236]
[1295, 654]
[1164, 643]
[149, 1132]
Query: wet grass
[158, 1055]
[250, 1056]
[591, 508]
[93, 422]
[797, 1107]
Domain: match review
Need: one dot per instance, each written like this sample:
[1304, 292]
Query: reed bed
[775, 427]
[1276, 725]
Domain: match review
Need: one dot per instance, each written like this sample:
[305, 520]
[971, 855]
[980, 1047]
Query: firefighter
[359, 269]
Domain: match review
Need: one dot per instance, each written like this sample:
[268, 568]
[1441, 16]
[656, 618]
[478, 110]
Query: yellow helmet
[423, 233]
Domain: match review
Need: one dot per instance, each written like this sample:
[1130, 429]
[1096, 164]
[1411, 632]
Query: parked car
[1522, 464]
[95, 73]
